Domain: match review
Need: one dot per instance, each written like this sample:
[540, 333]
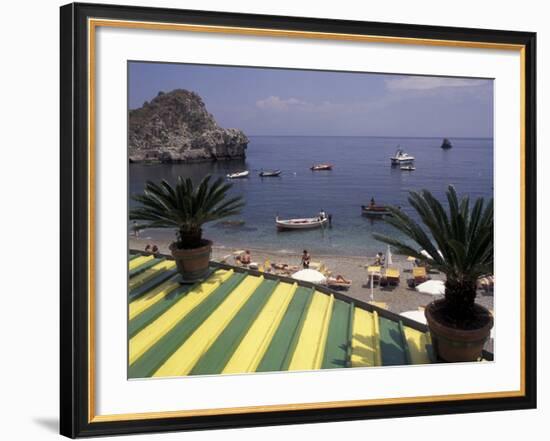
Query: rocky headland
[176, 127]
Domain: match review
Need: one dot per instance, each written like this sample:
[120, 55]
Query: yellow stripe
[252, 348]
[138, 261]
[149, 335]
[142, 303]
[309, 351]
[182, 361]
[364, 341]
[378, 351]
[150, 272]
[417, 342]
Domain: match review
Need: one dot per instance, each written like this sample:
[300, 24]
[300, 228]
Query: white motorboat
[237, 175]
[408, 167]
[301, 224]
[401, 158]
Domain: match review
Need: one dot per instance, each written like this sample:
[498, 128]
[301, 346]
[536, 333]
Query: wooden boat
[446, 144]
[408, 167]
[319, 167]
[238, 175]
[270, 173]
[300, 224]
[376, 210]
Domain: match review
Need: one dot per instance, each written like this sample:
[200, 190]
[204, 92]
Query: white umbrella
[417, 316]
[309, 275]
[388, 254]
[432, 287]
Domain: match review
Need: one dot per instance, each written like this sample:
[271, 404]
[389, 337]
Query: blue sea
[361, 170]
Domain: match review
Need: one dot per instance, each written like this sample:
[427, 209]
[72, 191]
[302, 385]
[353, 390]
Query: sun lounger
[420, 275]
[392, 276]
[338, 283]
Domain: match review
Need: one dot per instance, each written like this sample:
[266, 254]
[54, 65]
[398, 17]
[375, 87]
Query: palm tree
[459, 243]
[185, 207]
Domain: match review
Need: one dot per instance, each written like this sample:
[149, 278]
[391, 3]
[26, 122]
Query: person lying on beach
[306, 259]
[244, 259]
[339, 279]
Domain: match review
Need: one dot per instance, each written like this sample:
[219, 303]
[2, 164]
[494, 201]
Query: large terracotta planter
[193, 264]
[453, 344]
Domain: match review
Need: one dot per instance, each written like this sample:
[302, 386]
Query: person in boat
[372, 204]
[322, 214]
[306, 259]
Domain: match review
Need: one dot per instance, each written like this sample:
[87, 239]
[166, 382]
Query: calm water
[361, 171]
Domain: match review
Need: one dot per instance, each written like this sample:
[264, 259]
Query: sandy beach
[397, 299]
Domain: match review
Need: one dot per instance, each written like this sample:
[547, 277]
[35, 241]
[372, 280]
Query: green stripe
[150, 284]
[157, 309]
[144, 266]
[336, 348]
[277, 356]
[391, 343]
[215, 359]
[150, 361]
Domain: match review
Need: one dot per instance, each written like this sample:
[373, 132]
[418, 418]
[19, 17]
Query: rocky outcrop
[176, 127]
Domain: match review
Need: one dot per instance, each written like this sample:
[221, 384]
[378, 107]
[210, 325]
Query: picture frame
[80, 177]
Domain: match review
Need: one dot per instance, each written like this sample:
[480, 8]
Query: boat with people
[301, 224]
[446, 144]
[408, 167]
[238, 175]
[269, 173]
[373, 209]
[319, 167]
[401, 158]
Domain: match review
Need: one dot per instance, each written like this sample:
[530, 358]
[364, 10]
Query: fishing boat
[270, 173]
[446, 144]
[401, 158]
[375, 210]
[408, 167]
[237, 175]
[300, 224]
[319, 167]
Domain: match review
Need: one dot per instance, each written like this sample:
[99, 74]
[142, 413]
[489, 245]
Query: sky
[286, 102]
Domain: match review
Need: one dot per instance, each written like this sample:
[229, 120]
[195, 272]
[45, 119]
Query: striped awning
[239, 321]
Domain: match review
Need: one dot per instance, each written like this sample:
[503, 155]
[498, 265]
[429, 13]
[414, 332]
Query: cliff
[176, 126]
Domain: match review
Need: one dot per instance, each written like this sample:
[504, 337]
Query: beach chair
[392, 276]
[420, 275]
[374, 272]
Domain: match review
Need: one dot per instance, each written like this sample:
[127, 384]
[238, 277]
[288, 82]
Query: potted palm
[458, 242]
[186, 208]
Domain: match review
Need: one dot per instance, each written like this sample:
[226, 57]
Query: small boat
[300, 224]
[237, 175]
[408, 167]
[446, 144]
[269, 173]
[319, 167]
[375, 210]
[401, 158]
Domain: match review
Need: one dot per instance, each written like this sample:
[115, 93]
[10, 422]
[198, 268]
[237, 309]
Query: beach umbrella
[432, 287]
[309, 275]
[389, 256]
[417, 316]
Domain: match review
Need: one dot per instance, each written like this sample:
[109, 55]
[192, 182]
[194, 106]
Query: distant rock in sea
[176, 127]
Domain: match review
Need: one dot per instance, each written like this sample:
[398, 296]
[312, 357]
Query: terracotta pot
[452, 344]
[193, 264]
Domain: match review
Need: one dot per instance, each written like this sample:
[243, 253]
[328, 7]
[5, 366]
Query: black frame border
[74, 220]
